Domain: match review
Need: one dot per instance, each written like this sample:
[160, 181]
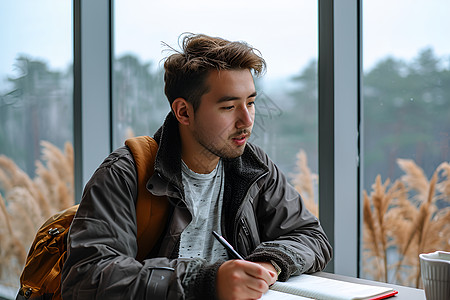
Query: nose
[245, 117]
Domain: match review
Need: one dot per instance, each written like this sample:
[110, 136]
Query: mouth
[240, 139]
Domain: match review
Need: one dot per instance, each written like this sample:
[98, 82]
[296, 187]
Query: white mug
[435, 271]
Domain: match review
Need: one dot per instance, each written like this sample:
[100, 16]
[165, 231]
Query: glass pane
[406, 109]
[36, 124]
[286, 123]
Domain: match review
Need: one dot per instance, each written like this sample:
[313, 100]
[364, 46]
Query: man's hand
[268, 266]
[240, 279]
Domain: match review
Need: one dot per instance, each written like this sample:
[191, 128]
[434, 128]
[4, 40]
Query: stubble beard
[225, 150]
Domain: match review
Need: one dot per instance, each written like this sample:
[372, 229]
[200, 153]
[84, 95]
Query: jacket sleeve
[290, 235]
[102, 244]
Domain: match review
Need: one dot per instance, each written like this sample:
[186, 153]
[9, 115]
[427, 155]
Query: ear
[183, 110]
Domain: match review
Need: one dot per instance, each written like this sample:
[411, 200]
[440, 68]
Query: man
[214, 180]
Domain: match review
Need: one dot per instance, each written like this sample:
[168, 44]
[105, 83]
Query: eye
[251, 103]
[228, 107]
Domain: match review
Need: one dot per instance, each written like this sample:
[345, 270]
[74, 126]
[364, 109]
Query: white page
[325, 288]
[274, 295]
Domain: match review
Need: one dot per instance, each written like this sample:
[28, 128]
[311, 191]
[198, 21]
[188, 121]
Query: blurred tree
[300, 122]
[305, 98]
[405, 111]
[139, 100]
[406, 114]
[37, 107]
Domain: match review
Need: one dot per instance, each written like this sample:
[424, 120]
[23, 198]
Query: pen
[227, 246]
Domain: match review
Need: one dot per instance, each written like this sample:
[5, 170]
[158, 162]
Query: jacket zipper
[247, 237]
[244, 226]
[241, 207]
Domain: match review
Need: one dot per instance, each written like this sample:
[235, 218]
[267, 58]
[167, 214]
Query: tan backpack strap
[151, 211]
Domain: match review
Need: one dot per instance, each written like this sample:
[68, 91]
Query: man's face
[223, 122]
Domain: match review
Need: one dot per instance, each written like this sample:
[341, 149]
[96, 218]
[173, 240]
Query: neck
[199, 165]
[197, 158]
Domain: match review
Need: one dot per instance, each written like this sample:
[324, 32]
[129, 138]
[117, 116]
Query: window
[286, 35]
[405, 108]
[36, 125]
[406, 141]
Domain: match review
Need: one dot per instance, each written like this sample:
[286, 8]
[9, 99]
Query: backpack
[41, 276]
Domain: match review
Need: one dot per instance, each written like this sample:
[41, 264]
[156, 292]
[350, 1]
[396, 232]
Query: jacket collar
[168, 157]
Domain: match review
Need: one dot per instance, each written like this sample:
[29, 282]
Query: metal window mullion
[326, 121]
[92, 86]
[338, 130]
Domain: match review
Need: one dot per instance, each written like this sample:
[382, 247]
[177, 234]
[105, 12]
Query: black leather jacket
[263, 216]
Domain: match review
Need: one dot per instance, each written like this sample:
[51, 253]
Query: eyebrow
[231, 98]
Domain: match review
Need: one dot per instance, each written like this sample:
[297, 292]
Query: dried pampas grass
[372, 239]
[28, 203]
[400, 219]
[56, 179]
[414, 178]
[12, 251]
[304, 182]
[444, 186]
[403, 221]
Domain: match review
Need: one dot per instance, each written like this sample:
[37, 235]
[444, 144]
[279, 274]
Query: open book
[320, 288]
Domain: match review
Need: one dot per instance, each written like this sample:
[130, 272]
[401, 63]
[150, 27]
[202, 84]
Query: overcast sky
[284, 31]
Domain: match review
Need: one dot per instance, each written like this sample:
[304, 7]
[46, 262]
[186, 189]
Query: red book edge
[384, 296]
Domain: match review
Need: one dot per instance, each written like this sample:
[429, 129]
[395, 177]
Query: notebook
[315, 287]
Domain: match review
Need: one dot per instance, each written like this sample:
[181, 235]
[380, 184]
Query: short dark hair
[186, 70]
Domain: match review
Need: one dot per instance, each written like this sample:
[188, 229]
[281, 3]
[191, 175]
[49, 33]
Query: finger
[248, 287]
[271, 268]
[257, 285]
[233, 282]
[257, 271]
